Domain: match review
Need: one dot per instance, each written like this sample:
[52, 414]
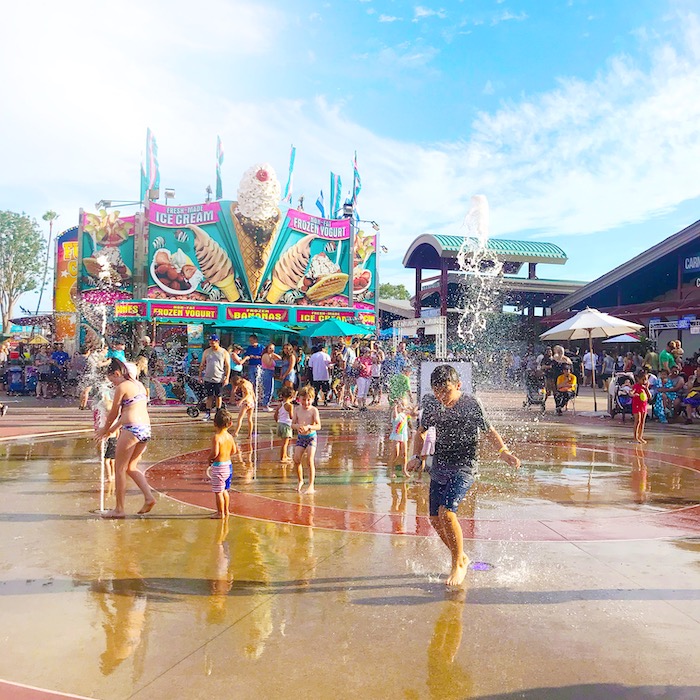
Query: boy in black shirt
[457, 418]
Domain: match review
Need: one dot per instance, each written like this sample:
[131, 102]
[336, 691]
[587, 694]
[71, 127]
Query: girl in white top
[283, 416]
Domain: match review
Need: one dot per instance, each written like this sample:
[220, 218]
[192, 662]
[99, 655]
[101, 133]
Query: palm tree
[50, 216]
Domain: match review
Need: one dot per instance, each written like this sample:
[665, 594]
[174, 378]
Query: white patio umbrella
[626, 338]
[590, 323]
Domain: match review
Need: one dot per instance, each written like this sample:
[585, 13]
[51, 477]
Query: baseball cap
[214, 337]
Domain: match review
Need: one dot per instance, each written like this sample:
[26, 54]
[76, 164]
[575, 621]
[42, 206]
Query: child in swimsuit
[130, 412]
[306, 421]
[399, 434]
[246, 403]
[108, 447]
[283, 416]
[220, 459]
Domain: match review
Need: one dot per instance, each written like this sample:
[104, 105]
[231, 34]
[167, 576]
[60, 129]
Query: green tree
[393, 291]
[21, 264]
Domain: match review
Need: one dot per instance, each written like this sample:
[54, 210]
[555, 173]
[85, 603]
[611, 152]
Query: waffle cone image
[214, 263]
[290, 268]
[256, 238]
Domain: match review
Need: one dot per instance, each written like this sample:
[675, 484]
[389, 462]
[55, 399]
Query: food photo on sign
[248, 250]
[108, 250]
[365, 270]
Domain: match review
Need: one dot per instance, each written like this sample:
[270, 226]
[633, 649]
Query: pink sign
[304, 316]
[129, 308]
[332, 229]
[182, 216]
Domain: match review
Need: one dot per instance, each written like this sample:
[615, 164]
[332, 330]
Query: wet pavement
[585, 579]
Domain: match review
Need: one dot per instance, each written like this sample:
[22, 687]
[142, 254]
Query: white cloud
[421, 12]
[508, 16]
[389, 18]
[488, 88]
[585, 157]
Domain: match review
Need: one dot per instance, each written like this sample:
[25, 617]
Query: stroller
[535, 392]
[619, 402]
[191, 394]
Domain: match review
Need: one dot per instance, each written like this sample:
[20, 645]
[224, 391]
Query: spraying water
[482, 272]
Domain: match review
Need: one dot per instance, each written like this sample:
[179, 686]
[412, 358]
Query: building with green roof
[528, 295]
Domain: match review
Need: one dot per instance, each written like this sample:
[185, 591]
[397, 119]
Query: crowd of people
[672, 381]
[351, 376]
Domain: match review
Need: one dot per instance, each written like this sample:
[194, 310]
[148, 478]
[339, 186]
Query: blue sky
[577, 119]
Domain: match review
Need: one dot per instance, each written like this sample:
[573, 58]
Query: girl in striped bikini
[130, 413]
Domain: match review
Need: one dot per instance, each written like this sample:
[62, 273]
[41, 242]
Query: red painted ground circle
[181, 478]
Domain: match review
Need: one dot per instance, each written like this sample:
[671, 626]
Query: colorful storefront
[206, 266]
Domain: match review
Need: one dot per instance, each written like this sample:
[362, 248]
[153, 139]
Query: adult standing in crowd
[288, 366]
[377, 355]
[363, 365]
[215, 369]
[607, 369]
[77, 367]
[236, 361]
[589, 362]
[268, 362]
[666, 359]
[43, 366]
[651, 360]
[253, 355]
[319, 362]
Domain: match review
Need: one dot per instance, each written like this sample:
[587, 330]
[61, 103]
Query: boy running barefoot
[220, 459]
[246, 403]
[306, 421]
[458, 419]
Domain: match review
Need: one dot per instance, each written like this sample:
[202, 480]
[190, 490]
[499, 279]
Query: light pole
[50, 216]
[169, 194]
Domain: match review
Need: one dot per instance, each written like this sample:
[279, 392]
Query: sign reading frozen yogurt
[332, 229]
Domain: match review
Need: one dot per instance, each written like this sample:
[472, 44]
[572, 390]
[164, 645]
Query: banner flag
[143, 192]
[356, 182]
[336, 191]
[319, 205]
[290, 178]
[152, 172]
[219, 161]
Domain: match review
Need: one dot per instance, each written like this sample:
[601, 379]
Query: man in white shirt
[319, 363]
[589, 362]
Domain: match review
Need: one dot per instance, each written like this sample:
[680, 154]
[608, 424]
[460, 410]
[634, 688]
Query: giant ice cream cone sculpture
[257, 218]
[214, 263]
[290, 269]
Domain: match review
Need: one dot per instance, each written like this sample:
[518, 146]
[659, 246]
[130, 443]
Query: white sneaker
[3, 410]
[206, 418]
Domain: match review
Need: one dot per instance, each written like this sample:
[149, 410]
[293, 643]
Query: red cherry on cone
[262, 175]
